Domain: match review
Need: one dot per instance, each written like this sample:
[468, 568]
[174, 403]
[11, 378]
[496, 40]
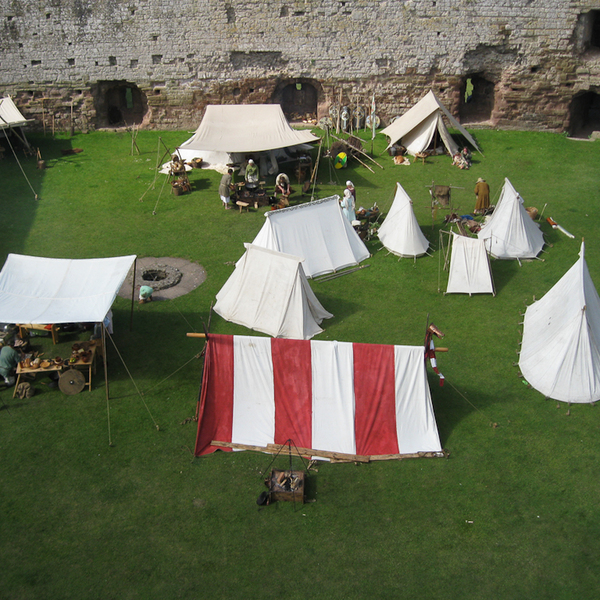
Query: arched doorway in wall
[298, 100]
[584, 114]
[476, 99]
[119, 103]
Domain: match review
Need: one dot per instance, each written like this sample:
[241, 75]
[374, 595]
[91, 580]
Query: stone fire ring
[170, 277]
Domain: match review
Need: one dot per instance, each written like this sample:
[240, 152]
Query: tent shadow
[502, 272]
[451, 405]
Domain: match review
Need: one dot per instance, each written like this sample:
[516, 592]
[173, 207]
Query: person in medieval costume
[9, 359]
[482, 193]
[225, 188]
[430, 349]
[146, 294]
[251, 174]
[282, 185]
[350, 186]
[348, 206]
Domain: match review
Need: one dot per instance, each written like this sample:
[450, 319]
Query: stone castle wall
[69, 61]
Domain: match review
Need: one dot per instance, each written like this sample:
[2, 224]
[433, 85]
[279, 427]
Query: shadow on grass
[451, 405]
[503, 272]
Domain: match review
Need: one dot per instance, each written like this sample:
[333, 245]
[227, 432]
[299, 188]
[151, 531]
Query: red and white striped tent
[361, 399]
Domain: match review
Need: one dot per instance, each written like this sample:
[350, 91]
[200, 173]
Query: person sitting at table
[9, 359]
[251, 174]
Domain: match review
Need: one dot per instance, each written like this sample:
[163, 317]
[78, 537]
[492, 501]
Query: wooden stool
[243, 205]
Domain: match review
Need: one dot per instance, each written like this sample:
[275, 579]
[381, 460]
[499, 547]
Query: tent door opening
[476, 99]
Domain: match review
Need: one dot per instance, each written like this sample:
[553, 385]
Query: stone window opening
[298, 100]
[584, 114]
[476, 99]
[119, 103]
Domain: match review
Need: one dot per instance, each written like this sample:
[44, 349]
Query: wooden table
[89, 365]
[32, 370]
[80, 365]
[25, 327]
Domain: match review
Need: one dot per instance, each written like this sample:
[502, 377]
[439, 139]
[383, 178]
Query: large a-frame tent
[229, 131]
[268, 292]
[560, 352]
[400, 232]
[416, 128]
[470, 270]
[511, 233]
[317, 232]
[357, 399]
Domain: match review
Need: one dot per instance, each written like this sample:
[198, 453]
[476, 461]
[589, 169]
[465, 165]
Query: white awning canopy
[34, 289]
[10, 115]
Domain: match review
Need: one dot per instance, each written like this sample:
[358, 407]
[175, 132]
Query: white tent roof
[316, 231]
[560, 353]
[10, 115]
[400, 232]
[470, 271]
[416, 128]
[55, 290]
[269, 292]
[511, 232]
[245, 128]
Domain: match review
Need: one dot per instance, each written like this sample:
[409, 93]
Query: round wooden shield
[71, 382]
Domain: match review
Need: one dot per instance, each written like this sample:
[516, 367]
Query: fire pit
[287, 486]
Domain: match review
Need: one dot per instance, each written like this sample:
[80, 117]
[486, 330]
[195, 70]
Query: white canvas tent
[229, 131]
[41, 290]
[400, 232]
[416, 128]
[470, 271]
[11, 120]
[269, 292]
[317, 232]
[511, 233]
[560, 352]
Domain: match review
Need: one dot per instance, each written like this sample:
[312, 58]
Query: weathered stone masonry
[87, 64]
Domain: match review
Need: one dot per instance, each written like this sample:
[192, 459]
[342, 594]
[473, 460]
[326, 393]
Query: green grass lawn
[512, 513]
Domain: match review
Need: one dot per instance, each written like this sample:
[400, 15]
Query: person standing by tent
[350, 186]
[348, 206]
[482, 193]
[251, 174]
[225, 188]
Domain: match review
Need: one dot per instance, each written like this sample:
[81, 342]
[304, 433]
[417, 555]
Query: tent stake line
[334, 456]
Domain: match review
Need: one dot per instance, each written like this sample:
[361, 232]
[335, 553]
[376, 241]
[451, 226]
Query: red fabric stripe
[292, 378]
[375, 399]
[215, 413]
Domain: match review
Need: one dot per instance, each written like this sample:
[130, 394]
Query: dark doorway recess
[584, 113]
[476, 99]
[119, 103]
[298, 101]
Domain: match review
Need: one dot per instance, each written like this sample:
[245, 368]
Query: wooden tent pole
[132, 294]
[106, 381]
